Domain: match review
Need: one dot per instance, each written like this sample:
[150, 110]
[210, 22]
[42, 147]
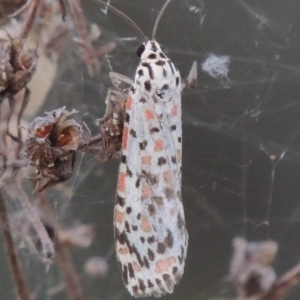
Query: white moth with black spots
[150, 229]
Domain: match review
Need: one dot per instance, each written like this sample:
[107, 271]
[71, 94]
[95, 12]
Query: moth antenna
[158, 18]
[124, 17]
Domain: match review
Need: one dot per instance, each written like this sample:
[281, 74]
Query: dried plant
[50, 148]
[251, 273]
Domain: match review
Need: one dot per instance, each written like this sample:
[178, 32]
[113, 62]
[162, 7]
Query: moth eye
[140, 50]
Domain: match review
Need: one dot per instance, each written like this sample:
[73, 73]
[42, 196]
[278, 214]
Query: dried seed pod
[50, 147]
[18, 60]
[250, 269]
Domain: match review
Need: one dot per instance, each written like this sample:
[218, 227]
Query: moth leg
[117, 79]
[191, 81]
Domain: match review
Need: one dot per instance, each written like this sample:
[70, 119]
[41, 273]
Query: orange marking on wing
[121, 182]
[164, 264]
[173, 211]
[146, 191]
[125, 137]
[136, 267]
[159, 145]
[168, 177]
[145, 225]
[128, 104]
[149, 114]
[146, 160]
[119, 216]
[174, 111]
[179, 156]
[123, 250]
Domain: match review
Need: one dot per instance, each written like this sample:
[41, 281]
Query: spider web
[241, 138]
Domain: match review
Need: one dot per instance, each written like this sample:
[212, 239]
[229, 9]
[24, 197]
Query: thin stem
[72, 282]
[21, 286]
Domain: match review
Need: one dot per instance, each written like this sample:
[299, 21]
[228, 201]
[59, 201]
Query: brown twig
[72, 281]
[21, 286]
[46, 243]
[29, 22]
[81, 26]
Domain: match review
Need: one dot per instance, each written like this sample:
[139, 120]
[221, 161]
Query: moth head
[147, 49]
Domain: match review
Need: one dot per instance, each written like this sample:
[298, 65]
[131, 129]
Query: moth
[150, 229]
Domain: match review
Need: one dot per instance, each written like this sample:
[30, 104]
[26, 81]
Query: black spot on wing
[169, 240]
[151, 239]
[131, 271]
[160, 93]
[147, 85]
[168, 281]
[121, 237]
[143, 100]
[150, 284]
[150, 254]
[133, 133]
[146, 262]
[142, 285]
[150, 71]
[140, 72]
[127, 118]
[137, 183]
[120, 200]
[128, 172]
[180, 222]
[125, 274]
[154, 129]
[161, 248]
[160, 63]
[151, 209]
[143, 145]
[164, 72]
[169, 193]
[152, 56]
[173, 127]
[162, 55]
[123, 159]
[177, 81]
[161, 161]
[127, 228]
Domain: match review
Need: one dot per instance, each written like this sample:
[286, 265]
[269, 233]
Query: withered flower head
[50, 147]
[18, 60]
[250, 269]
